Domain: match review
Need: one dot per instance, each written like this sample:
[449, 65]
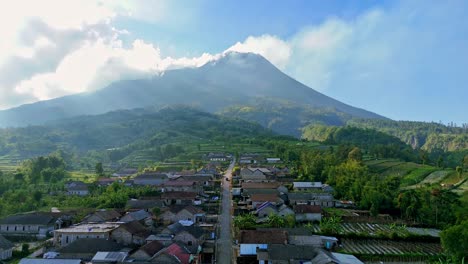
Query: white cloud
[272, 48]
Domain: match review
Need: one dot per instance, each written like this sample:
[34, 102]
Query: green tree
[245, 221]
[355, 154]
[275, 220]
[455, 241]
[331, 225]
[99, 169]
[459, 171]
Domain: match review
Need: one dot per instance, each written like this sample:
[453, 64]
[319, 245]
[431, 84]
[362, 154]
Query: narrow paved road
[224, 243]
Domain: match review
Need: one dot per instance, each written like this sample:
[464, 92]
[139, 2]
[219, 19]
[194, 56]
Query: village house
[176, 213]
[65, 236]
[86, 248]
[221, 157]
[125, 172]
[267, 208]
[176, 253]
[192, 236]
[132, 233]
[141, 215]
[6, 248]
[311, 198]
[165, 239]
[109, 257]
[102, 216]
[107, 181]
[308, 213]
[248, 160]
[201, 180]
[307, 186]
[77, 188]
[273, 160]
[31, 224]
[50, 261]
[251, 240]
[151, 178]
[181, 186]
[279, 254]
[258, 199]
[178, 198]
[147, 251]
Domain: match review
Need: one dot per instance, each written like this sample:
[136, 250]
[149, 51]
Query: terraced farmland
[389, 247]
[376, 229]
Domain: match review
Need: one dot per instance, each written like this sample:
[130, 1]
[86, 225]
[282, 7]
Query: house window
[15, 228]
[189, 243]
[24, 228]
[7, 228]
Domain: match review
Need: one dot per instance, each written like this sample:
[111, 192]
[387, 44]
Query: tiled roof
[263, 237]
[28, 219]
[91, 245]
[5, 243]
[179, 195]
[152, 247]
[135, 228]
[264, 197]
[307, 209]
[260, 185]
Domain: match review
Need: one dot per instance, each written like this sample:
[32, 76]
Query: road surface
[224, 242]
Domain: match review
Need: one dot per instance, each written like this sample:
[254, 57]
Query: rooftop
[263, 237]
[29, 219]
[307, 184]
[91, 245]
[260, 185]
[89, 228]
[307, 209]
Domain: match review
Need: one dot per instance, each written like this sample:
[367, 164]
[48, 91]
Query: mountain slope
[122, 132]
[234, 79]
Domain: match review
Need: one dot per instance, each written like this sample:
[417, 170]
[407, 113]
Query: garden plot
[377, 229]
[389, 247]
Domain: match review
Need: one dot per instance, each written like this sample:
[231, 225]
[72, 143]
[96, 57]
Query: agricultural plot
[433, 178]
[389, 247]
[376, 229]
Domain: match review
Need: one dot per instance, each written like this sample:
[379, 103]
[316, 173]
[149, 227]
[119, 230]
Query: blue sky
[406, 60]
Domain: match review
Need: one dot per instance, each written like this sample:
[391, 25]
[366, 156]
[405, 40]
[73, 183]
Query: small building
[125, 172]
[311, 198]
[65, 236]
[77, 188]
[181, 186]
[308, 213]
[251, 240]
[266, 209]
[6, 248]
[86, 248]
[50, 261]
[258, 199]
[176, 213]
[221, 157]
[102, 216]
[109, 257]
[277, 253]
[132, 233]
[147, 251]
[140, 215]
[273, 160]
[151, 178]
[175, 253]
[307, 186]
[178, 198]
[29, 224]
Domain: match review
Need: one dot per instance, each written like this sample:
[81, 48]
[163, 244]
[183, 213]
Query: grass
[417, 175]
